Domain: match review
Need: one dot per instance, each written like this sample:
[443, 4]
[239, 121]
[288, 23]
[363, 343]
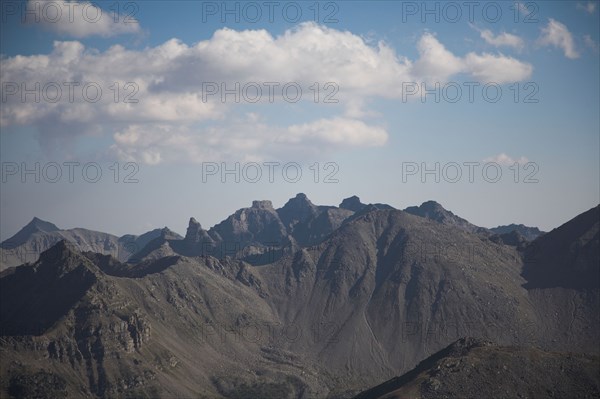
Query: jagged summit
[431, 210]
[296, 210]
[355, 205]
[194, 224]
[61, 259]
[195, 233]
[36, 225]
[262, 204]
[167, 233]
[352, 203]
[299, 199]
[530, 233]
[435, 211]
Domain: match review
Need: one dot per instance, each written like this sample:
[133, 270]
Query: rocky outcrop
[436, 212]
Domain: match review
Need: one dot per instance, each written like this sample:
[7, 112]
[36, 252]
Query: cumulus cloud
[435, 61]
[505, 160]
[247, 139]
[502, 39]
[497, 68]
[556, 34]
[149, 94]
[80, 19]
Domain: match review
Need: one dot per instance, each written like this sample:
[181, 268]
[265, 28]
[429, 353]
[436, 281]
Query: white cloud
[248, 139]
[588, 7]
[341, 131]
[502, 39]
[556, 34]
[435, 62]
[168, 81]
[505, 160]
[81, 19]
[497, 68]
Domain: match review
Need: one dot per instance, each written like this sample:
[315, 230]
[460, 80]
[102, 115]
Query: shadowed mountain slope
[476, 369]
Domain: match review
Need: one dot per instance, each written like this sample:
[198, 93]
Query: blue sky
[374, 59]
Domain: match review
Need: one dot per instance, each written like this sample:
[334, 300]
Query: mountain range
[306, 301]
[254, 234]
[38, 235]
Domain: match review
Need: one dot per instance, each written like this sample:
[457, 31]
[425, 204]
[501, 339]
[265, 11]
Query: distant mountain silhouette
[529, 233]
[38, 236]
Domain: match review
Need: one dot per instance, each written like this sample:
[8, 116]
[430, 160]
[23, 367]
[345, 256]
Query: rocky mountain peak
[297, 209]
[42, 224]
[194, 232]
[194, 224]
[36, 225]
[435, 211]
[262, 204]
[431, 210]
[352, 203]
[169, 234]
[530, 233]
[61, 258]
[432, 206]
